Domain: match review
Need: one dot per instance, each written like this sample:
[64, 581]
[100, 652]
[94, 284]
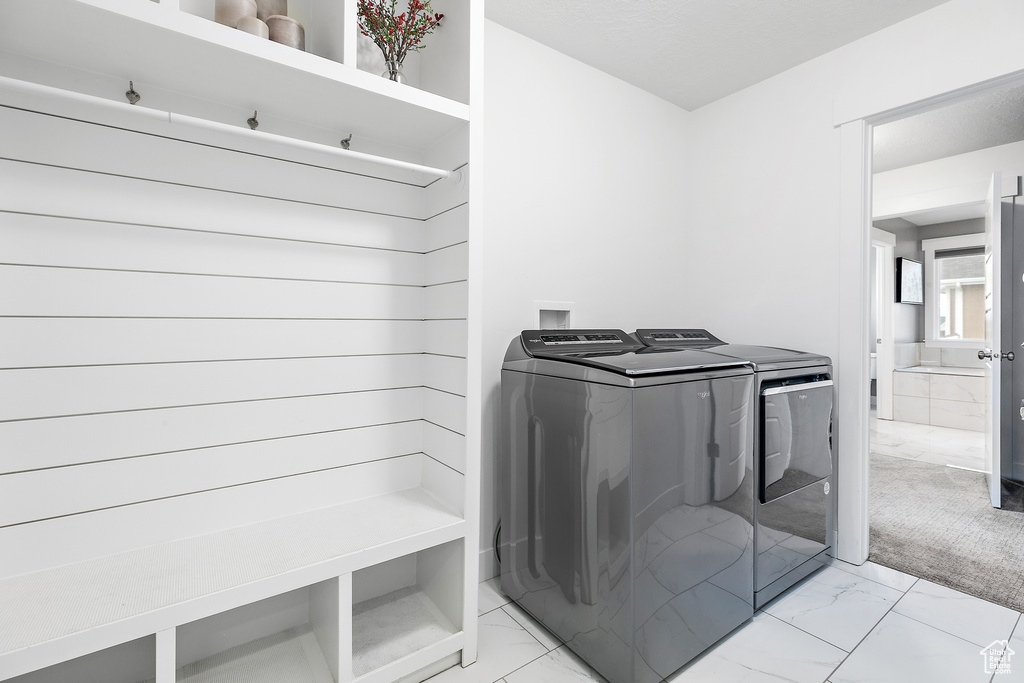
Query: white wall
[766, 184]
[960, 179]
[205, 338]
[585, 202]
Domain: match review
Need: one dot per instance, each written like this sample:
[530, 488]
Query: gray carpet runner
[936, 522]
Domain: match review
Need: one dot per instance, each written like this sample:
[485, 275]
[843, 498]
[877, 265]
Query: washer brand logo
[802, 396]
[703, 394]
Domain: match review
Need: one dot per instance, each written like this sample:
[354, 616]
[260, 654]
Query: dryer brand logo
[802, 396]
[703, 394]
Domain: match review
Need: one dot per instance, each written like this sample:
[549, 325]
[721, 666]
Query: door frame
[851, 431]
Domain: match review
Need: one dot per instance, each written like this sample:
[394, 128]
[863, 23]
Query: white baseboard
[488, 564]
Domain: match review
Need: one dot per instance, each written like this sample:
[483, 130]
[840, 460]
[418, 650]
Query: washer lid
[648, 361]
[767, 357]
[762, 357]
[615, 351]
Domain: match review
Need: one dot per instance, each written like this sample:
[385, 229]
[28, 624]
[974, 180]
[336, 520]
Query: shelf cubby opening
[442, 66]
[290, 637]
[131, 662]
[323, 22]
[405, 605]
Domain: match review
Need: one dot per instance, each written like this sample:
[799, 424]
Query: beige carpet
[936, 522]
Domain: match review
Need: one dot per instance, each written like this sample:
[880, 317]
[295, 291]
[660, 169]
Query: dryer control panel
[679, 338]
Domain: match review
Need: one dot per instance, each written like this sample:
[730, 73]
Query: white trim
[884, 243]
[852, 364]
[931, 288]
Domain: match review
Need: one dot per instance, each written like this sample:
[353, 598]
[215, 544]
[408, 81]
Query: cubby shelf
[100, 603]
[167, 50]
[292, 655]
[302, 589]
[393, 626]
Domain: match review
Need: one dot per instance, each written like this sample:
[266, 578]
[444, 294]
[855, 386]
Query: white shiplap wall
[194, 338]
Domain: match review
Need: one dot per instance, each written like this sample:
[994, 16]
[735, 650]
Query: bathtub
[940, 395]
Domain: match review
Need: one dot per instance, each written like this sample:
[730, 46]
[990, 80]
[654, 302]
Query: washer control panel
[678, 338]
[577, 340]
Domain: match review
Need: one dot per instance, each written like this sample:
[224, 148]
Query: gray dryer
[793, 455]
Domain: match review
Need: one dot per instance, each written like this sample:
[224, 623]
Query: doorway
[934, 435]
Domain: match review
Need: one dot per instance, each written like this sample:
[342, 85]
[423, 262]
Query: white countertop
[944, 370]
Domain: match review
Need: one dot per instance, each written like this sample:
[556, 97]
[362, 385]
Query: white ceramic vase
[287, 31]
[228, 12]
[268, 8]
[254, 26]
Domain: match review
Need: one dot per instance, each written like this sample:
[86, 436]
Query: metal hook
[347, 142]
[253, 123]
[132, 96]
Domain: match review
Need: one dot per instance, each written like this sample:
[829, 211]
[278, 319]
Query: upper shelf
[182, 62]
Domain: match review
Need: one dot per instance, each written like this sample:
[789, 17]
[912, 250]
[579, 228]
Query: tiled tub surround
[845, 624]
[940, 396]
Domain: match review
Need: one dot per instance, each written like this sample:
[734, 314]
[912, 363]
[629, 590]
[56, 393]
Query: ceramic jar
[254, 26]
[228, 12]
[287, 31]
[268, 8]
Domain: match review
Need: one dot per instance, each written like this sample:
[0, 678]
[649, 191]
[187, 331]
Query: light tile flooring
[925, 443]
[844, 624]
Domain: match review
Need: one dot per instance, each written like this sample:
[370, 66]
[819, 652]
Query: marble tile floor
[926, 443]
[844, 624]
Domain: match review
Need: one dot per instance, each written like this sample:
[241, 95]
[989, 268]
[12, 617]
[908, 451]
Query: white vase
[287, 31]
[254, 26]
[228, 12]
[268, 8]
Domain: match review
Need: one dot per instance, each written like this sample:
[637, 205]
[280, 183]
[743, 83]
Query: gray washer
[627, 494]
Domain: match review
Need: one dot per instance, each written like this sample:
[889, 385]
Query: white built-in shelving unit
[236, 420]
[181, 60]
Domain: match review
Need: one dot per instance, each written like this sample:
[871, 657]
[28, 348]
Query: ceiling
[693, 52]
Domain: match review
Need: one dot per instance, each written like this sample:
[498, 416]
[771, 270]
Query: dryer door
[796, 439]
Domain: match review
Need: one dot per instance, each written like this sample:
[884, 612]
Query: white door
[992, 354]
[884, 244]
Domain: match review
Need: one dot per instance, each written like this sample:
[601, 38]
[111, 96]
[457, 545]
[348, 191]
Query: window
[954, 290]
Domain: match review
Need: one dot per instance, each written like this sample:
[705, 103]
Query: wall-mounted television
[909, 281]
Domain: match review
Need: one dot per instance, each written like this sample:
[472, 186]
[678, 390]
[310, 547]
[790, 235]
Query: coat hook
[347, 142]
[132, 96]
[253, 123]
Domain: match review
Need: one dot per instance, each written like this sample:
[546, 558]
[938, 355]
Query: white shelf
[293, 655]
[169, 51]
[60, 613]
[394, 626]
